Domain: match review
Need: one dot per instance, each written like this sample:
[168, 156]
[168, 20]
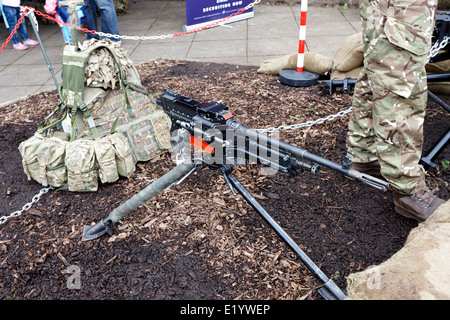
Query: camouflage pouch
[29, 150]
[146, 125]
[149, 136]
[82, 169]
[106, 159]
[161, 126]
[126, 165]
[43, 159]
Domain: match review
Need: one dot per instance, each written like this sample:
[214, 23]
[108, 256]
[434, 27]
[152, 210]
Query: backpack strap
[72, 92]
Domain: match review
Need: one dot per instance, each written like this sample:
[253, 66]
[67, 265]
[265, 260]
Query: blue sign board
[203, 12]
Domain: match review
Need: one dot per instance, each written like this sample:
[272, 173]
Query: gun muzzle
[367, 179]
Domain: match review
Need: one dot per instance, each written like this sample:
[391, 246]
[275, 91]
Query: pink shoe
[30, 42]
[19, 46]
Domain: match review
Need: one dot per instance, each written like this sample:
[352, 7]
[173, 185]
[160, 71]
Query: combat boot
[371, 168]
[418, 206]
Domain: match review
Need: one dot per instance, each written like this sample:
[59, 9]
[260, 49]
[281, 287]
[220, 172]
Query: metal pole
[156, 187]
[42, 48]
[73, 18]
[330, 290]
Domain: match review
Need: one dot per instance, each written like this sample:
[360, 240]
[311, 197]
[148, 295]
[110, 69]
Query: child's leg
[23, 27]
[11, 16]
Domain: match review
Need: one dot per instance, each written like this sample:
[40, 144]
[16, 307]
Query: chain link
[307, 123]
[438, 46]
[27, 206]
[172, 35]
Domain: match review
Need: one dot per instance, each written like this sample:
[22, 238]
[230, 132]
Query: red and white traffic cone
[298, 77]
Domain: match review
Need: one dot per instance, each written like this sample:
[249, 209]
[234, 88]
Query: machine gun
[223, 143]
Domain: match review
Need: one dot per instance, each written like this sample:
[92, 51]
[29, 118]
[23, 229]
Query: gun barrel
[306, 155]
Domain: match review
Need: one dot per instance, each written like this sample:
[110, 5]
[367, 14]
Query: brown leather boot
[418, 206]
[371, 168]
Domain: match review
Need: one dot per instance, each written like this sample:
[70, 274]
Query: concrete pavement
[271, 33]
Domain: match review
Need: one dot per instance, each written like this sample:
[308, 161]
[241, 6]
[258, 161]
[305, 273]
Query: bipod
[329, 290]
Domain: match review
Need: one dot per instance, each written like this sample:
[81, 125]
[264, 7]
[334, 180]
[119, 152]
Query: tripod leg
[427, 161]
[330, 290]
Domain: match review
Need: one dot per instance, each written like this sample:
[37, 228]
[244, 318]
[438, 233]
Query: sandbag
[352, 74]
[439, 87]
[419, 271]
[313, 62]
[317, 63]
[439, 68]
[350, 54]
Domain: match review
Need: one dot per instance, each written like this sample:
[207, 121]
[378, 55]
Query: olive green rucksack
[104, 123]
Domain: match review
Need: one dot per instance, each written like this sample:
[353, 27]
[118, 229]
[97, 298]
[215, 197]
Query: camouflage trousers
[391, 92]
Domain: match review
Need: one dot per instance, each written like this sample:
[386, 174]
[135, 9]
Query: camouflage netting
[419, 271]
[102, 70]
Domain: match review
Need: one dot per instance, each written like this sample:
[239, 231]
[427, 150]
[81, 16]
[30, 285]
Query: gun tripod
[177, 175]
[330, 291]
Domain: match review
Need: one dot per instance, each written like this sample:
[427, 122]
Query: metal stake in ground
[30, 15]
[298, 77]
[73, 17]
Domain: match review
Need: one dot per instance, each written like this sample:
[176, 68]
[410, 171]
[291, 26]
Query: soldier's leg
[360, 137]
[398, 125]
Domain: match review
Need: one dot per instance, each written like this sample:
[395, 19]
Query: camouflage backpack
[104, 123]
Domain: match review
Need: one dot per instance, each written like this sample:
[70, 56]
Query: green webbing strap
[72, 88]
[53, 122]
[91, 123]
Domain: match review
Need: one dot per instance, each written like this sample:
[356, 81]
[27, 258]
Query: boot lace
[426, 196]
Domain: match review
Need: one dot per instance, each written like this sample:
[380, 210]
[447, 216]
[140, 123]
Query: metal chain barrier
[27, 206]
[438, 46]
[172, 35]
[307, 123]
